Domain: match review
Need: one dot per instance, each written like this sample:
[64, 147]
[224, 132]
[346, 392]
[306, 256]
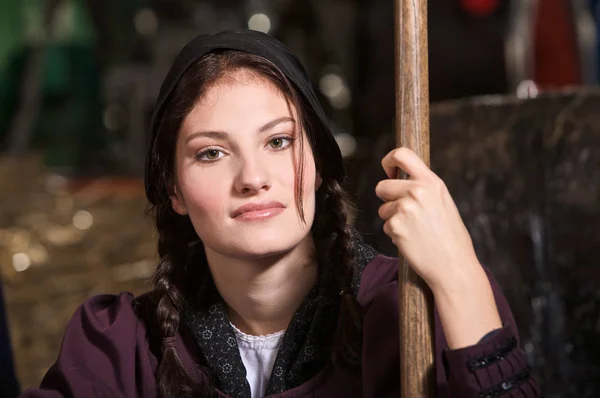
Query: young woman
[263, 288]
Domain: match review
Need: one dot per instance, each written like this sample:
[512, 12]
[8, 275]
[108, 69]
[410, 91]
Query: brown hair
[176, 234]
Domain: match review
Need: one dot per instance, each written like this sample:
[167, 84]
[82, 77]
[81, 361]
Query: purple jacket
[106, 353]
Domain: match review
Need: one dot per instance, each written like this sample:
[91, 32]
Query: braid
[172, 378]
[332, 238]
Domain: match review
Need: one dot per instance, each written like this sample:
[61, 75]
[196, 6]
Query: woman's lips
[259, 214]
[257, 211]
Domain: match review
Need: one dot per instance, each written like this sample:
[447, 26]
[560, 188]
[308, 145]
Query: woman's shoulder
[121, 313]
[107, 307]
[119, 318]
[122, 319]
[105, 349]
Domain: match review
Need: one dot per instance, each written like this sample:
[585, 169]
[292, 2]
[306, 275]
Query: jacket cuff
[493, 367]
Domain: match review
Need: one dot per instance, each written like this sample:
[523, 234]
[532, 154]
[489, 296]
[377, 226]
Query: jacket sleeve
[102, 354]
[492, 368]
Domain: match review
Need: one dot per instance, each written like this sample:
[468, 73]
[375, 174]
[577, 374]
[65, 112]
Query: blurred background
[515, 133]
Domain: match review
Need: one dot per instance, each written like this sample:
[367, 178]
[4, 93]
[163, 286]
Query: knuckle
[403, 150]
[406, 206]
[390, 227]
[394, 229]
[418, 193]
[400, 206]
[440, 186]
[398, 154]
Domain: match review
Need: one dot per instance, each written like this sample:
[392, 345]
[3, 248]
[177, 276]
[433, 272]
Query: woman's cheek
[206, 196]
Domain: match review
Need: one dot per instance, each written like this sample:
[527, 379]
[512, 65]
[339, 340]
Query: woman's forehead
[238, 104]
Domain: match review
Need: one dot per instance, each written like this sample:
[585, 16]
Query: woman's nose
[252, 176]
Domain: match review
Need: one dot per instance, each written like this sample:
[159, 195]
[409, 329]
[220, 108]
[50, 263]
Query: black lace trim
[506, 386]
[486, 360]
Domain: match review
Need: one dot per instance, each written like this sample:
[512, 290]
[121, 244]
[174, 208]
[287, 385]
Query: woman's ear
[177, 201]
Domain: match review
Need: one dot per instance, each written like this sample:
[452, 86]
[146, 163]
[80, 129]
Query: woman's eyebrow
[221, 135]
[275, 122]
[217, 135]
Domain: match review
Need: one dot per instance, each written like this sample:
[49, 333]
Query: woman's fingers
[389, 190]
[407, 161]
[403, 207]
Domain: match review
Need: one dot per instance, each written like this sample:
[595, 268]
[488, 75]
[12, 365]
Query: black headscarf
[256, 43]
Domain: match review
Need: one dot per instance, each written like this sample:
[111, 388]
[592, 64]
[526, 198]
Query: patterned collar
[304, 350]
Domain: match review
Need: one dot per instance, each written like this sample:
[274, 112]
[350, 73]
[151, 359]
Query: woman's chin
[257, 251]
[268, 245]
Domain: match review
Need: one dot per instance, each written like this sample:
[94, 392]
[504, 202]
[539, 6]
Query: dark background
[78, 81]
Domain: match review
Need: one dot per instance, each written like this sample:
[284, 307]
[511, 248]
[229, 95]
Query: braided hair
[176, 234]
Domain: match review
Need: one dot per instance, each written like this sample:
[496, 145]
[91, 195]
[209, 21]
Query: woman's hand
[423, 222]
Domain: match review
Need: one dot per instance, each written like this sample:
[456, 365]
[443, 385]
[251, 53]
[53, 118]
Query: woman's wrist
[467, 308]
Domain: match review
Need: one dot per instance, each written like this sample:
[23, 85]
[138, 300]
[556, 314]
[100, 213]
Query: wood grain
[417, 368]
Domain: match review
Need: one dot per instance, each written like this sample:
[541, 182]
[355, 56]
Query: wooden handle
[417, 370]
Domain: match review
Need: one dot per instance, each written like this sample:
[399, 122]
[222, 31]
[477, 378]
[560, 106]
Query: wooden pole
[417, 371]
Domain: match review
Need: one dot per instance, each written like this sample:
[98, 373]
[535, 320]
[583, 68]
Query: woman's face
[237, 156]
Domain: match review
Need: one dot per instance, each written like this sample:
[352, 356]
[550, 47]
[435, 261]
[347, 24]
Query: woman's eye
[279, 142]
[210, 154]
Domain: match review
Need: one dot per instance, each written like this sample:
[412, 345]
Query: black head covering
[256, 43]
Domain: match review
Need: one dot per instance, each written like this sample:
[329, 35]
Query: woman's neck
[263, 294]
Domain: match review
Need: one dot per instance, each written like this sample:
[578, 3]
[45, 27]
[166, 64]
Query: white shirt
[258, 355]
